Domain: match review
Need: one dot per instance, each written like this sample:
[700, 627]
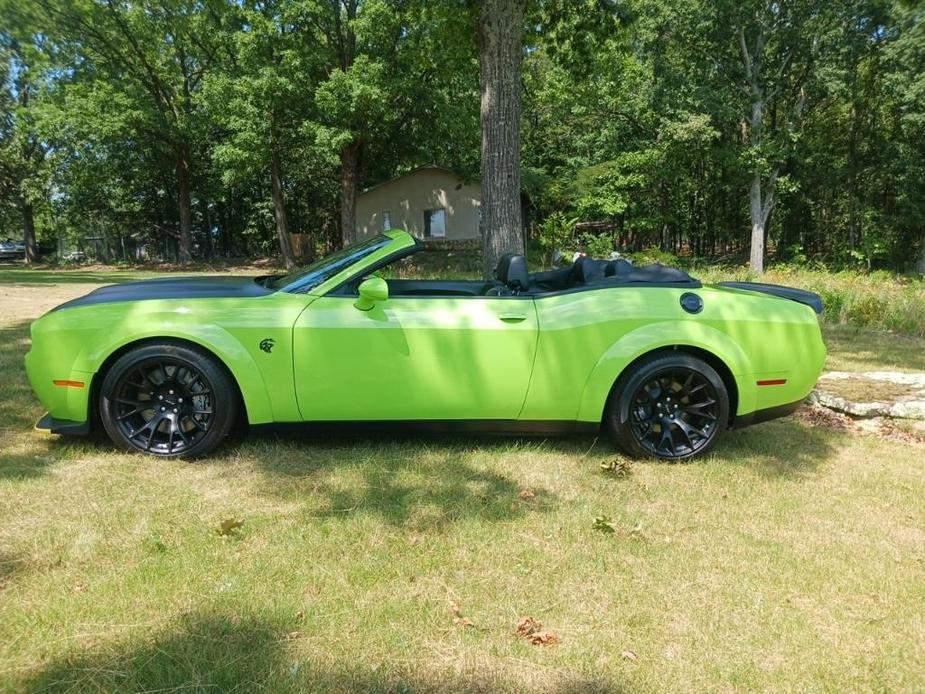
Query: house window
[386, 220]
[435, 223]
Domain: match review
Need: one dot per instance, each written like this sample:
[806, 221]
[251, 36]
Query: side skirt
[434, 426]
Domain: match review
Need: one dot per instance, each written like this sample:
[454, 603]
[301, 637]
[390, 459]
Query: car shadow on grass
[787, 447]
[225, 652]
[425, 483]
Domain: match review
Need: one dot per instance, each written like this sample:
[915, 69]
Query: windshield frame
[310, 277]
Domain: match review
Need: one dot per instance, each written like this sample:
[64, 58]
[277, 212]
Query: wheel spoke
[688, 428]
[132, 413]
[134, 432]
[182, 433]
[665, 438]
[153, 431]
[685, 430]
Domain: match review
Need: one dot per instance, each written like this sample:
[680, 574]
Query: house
[431, 202]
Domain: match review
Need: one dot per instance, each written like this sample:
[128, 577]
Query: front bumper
[62, 426]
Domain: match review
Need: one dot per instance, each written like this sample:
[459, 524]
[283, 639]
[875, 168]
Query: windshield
[307, 278]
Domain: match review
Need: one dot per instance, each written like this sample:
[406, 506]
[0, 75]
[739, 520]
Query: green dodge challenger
[661, 362]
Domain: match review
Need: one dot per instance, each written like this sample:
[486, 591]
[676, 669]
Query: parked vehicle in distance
[75, 257]
[12, 250]
[662, 363]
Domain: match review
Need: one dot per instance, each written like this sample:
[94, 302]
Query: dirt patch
[865, 390]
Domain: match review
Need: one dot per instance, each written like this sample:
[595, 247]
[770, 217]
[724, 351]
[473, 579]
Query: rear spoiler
[808, 298]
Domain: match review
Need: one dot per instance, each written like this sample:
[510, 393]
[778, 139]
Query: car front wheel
[672, 406]
[168, 400]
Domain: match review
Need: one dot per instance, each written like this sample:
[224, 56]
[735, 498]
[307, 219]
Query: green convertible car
[662, 363]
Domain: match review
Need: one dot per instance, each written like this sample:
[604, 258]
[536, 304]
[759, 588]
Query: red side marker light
[773, 382]
[69, 384]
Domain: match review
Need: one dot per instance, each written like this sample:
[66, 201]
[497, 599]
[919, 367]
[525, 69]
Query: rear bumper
[758, 416]
[62, 426]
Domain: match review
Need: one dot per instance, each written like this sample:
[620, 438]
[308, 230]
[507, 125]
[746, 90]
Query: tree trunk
[185, 205]
[350, 157]
[28, 231]
[921, 264]
[500, 59]
[279, 210]
[756, 256]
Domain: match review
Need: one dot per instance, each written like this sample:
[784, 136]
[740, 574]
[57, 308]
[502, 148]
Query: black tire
[168, 400]
[671, 406]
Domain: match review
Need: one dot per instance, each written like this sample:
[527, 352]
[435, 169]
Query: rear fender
[656, 336]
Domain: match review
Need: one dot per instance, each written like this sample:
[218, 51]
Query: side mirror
[372, 290]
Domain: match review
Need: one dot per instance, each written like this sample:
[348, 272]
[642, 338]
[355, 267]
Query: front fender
[660, 335]
[210, 337]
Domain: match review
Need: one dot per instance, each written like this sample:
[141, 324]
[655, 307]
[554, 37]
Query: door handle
[513, 317]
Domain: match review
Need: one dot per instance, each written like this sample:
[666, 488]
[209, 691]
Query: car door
[414, 358]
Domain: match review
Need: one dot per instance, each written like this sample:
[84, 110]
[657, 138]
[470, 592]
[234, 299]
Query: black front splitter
[62, 426]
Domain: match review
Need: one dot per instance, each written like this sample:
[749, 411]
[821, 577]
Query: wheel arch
[112, 357]
[732, 386]
[697, 339]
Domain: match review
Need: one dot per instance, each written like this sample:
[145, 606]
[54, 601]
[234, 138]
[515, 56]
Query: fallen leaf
[618, 467]
[543, 638]
[454, 608]
[527, 626]
[527, 495]
[603, 524]
[228, 526]
[463, 622]
[629, 655]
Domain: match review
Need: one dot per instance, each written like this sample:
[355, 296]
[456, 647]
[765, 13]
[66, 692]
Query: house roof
[425, 167]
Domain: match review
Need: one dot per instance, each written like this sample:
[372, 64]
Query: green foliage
[637, 116]
[556, 233]
[596, 245]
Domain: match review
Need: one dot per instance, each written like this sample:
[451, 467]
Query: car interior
[512, 278]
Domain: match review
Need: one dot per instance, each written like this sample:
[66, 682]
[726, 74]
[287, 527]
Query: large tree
[22, 151]
[160, 54]
[500, 30]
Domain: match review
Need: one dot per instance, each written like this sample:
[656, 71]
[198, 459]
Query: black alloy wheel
[167, 400]
[673, 407]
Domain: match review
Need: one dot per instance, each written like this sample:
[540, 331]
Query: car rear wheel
[168, 400]
[672, 406]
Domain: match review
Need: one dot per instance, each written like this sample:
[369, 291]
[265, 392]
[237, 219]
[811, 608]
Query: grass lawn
[791, 559]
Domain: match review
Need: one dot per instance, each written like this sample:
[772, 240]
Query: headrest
[512, 270]
[618, 267]
[590, 269]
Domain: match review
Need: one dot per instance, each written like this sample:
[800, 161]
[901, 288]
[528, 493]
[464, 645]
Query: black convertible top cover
[172, 288]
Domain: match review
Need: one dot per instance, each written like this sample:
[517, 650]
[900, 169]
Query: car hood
[172, 288]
